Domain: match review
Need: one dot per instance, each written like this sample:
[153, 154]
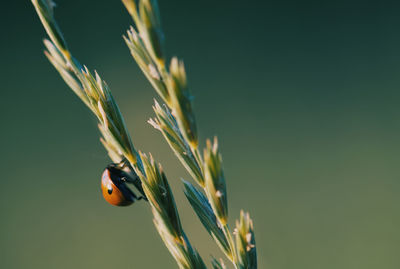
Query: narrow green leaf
[203, 209]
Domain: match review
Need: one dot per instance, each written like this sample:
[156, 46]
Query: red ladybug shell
[115, 191]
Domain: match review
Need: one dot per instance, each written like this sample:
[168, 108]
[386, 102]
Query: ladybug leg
[124, 163]
[130, 177]
[137, 183]
[142, 197]
[125, 172]
[121, 165]
[129, 193]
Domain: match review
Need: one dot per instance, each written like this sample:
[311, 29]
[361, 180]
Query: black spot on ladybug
[110, 190]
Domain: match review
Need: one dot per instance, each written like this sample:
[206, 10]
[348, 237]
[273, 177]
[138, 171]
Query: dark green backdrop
[303, 95]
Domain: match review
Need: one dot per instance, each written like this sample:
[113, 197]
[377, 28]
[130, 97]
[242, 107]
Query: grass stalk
[96, 95]
[176, 121]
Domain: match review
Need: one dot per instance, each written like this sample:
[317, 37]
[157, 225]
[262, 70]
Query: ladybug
[114, 185]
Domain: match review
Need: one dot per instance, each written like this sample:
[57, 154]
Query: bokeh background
[303, 95]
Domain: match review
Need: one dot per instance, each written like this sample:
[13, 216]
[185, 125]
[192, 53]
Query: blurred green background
[303, 95]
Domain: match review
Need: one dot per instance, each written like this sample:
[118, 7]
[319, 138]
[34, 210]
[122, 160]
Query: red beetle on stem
[114, 184]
